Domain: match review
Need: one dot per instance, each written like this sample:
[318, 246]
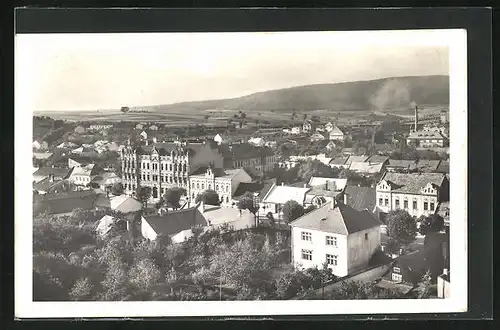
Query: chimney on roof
[282, 183]
[146, 141]
[445, 271]
[345, 198]
[305, 185]
[154, 139]
[202, 206]
[333, 203]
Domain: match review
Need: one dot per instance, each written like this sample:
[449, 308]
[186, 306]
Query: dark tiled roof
[361, 198]
[58, 172]
[342, 219]
[176, 221]
[262, 188]
[218, 172]
[407, 164]
[415, 265]
[66, 202]
[412, 183]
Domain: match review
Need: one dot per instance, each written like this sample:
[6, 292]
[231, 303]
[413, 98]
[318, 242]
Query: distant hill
[373, 95]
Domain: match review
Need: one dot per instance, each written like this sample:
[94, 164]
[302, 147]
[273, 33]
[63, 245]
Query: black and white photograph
[241, 173]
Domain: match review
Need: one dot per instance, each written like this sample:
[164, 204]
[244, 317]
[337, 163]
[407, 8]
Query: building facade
[224, 182]
[336, 234]
[417, 193]
[164, 165]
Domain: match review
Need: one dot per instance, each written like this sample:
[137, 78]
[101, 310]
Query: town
[307, 207]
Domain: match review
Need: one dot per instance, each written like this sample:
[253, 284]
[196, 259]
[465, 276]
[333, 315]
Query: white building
[82, 176]
[296, 130]
[277, 196]
[336, 134]
[417, 193]
[222, 139]
[144, 135]
[224, 182]
[257, 141]
[40, 145]
[335, 234]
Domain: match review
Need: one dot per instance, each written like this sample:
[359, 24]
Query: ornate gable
[429, 189]
[384, 185]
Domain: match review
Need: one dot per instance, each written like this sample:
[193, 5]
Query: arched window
[227, 199]
[202, 186]
[217, 187]
[192, 186]
[193, 196]
[209, 186]
[198, 185]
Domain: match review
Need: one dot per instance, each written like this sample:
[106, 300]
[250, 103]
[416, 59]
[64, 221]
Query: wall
[320, 249]
[182, 236]
[360, 250]
[147, 231]
[410, 197]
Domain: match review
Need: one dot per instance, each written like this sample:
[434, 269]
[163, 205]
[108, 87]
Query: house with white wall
[336, 234]
[417, 193]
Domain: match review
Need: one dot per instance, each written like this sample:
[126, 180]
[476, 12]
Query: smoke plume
[393, 94]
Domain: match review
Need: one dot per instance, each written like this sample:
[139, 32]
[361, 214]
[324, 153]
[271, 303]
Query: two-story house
[224, 182]
[257, 160]
[83, 175]
[417, 193]
[336, 234]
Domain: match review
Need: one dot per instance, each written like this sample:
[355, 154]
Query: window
[397, 277]
[307, 254]
[405, 204]
[148, 177]
[331, 240]
[387, 202]
[380, 201]
[397, 203]
[217, 188]
[198, 185]
[366, 236]
[306, 236]
[414, 205]
[202, 186]
[426, 206]
[396, 270]
[432, 206]
[147, 166]
[331, 259]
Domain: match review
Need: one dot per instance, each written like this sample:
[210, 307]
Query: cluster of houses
[343, 230]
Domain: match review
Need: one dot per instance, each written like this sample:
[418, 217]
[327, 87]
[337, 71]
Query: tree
[243, 115]
[143, 274]
[424, 287]
[431, 224]
[305, 116]
[173, 196]
[401, 226]
[310, 208]
[117, 189]
[292, 210]
[143, 194]
[311, 168]
[125, 109]
[247, 203]
[209, 197]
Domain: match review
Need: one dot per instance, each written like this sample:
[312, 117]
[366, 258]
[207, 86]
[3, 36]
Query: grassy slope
[357, 95]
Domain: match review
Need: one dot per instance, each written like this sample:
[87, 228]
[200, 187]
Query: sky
[57, 72]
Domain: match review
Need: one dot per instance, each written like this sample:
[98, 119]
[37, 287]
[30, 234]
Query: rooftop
[174, 222]
[282, 194]
[341, 219]
[366, 167]
[425, 135]
[412, 183]
[259, 189]
[361, 198]
[328, 183]
[427, 165]
[57, 172]
[65, 202]
[244, 151]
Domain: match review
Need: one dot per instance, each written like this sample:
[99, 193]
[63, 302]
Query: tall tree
[292, 210]
[401, 226]
[117, 189]
[173, 196]
[209, 197]
[143, 194]
[125, 109]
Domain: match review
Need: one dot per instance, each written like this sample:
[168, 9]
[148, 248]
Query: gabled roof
[57, 172]
[282, 194]
[244, 151]
[174, 222]
[259, 188]
[125, 204]
[336, 131]
[219, 215]
[84, 170]
[42, 155]
[333, 183]
[341, 219]
[105, 177]
[353, 159]
[412, 182]
[365, 167]
[105, 224]
[165, 148]
[361, 198]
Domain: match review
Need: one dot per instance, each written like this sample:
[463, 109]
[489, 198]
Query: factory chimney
[416, 118]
